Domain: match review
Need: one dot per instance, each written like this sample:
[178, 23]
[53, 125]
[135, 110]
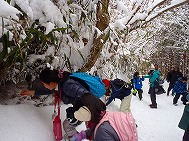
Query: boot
[153, 106]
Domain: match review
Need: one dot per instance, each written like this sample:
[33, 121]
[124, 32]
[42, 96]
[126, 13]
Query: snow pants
[125, 104]
[171, 85]
[69, 129]
[183, 99]
[153, 96]
[140, 91]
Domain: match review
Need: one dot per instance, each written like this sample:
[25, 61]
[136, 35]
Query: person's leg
[183, 99]
[69, 129]
[175, 99]
[171, 85]
[140, 91]
[125, 104]
[153, 97]
[186, 135]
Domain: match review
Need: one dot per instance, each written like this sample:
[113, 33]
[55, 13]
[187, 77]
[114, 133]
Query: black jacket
[118, 92]
[69, 89]
[173, 76]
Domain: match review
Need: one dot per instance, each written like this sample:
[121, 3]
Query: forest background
[108, 38]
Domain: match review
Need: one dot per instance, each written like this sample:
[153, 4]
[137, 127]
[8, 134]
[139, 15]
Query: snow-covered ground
[26, 122]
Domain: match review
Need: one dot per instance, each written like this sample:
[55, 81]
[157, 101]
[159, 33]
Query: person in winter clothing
[184, 121]
[137, 84]
[68, 87]
[180, 88]
[172, 77]
[51, 80]
[102, 125]
[121, 92]
[153, 77]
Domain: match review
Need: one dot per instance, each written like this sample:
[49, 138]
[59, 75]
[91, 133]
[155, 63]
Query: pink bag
[57, 127]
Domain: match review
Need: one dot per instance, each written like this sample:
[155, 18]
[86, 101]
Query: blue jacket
[137, 82]
[117, 92]
[180, 87]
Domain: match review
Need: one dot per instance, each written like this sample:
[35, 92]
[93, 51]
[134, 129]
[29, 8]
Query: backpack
[121, 83]
[95, 84]
[123, 124]
[159, 81]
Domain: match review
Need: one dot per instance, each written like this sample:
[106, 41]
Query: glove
[107, 98]
[134, 92]
[79, 136]
[69, 113]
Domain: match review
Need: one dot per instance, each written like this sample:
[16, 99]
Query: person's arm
[37, 92]
[180, 75]
[27, 92]
[134, 80]
[168, 77]
[43, 91]
[110, 99]
[146, 76]
[79, 136]
[142, 79]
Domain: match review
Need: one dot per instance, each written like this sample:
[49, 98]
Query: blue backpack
[95, 84]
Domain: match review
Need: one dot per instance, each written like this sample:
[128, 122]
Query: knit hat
[83, 114]
[106, 82]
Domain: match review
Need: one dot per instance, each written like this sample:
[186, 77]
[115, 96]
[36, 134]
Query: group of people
[87, 107]
[178, 85]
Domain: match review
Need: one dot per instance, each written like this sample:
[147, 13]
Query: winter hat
[83, 114]
[106, 82]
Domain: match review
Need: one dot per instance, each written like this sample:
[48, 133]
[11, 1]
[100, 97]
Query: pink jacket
[123, 124]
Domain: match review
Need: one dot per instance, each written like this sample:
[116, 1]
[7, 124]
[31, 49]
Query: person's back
[121, 123]
[122, 92]
[180, 86]
[137, 84]
[105, 126]
[173, 75]
[117, 91]
[153, 77]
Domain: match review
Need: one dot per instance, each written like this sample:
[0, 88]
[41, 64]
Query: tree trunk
[103, 20]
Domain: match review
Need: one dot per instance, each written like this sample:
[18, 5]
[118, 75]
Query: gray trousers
[69, 129]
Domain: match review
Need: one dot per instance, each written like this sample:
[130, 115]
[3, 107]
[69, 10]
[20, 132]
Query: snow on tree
[85, 35]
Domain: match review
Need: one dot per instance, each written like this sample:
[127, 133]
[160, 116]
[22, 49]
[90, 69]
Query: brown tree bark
[103, 20]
